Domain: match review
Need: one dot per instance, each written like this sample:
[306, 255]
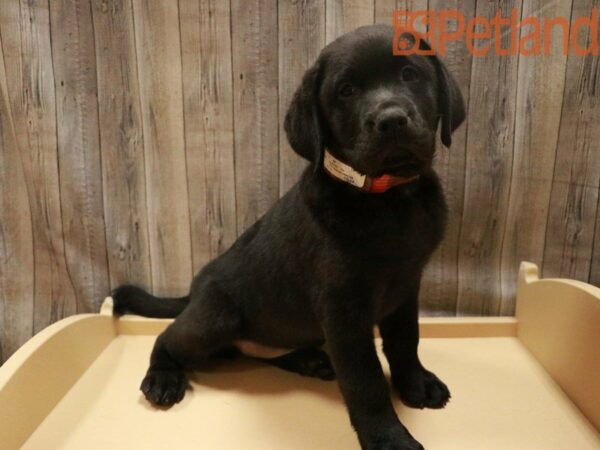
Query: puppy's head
[373, 110]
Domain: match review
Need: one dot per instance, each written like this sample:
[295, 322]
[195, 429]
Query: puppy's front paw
[422, 389]
[164, 387]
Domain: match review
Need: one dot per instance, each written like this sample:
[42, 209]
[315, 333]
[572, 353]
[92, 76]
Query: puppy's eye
[346, 90]
[409, 73]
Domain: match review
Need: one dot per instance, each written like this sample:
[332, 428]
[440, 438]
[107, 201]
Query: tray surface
[501, 399]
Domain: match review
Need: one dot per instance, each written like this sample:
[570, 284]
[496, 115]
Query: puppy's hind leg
[309, 362]
[208, 324]
[306, 361]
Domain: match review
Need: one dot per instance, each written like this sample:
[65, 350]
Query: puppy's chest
[402, 234]
[386, 296]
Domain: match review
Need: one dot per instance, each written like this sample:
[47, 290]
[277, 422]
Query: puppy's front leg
[362, 382]
[416, 386]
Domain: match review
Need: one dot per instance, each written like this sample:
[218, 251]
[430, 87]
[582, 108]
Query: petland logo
[529, 36]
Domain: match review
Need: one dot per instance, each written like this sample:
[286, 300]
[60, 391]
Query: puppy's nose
[392, 119]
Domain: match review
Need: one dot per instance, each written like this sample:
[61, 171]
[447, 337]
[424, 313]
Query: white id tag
[343, 171]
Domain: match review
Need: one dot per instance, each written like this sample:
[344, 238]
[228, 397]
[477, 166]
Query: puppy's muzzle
[392, 121]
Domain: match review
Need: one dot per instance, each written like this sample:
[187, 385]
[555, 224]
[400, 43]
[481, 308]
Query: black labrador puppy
[341, 252]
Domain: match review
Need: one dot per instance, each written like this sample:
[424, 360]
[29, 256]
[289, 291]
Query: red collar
[343, 172]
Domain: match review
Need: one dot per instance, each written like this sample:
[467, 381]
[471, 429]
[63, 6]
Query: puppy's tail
[132, 299]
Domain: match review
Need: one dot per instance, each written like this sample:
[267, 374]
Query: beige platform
[526, 383]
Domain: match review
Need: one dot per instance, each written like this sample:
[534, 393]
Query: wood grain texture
[80, 174]
[384, 9]
[159, 68]
[439, 288]
[301, 38]
[122, 144]
[208, 110]
[30, 85]
[342, 16]
[17, 275]
[139, 138]
[574, 197]
[487, 178]
[255, 92]
[540, 87]
[415, 5]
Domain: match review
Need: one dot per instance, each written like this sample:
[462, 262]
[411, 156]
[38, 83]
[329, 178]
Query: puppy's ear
[451, 105]
[303, 124]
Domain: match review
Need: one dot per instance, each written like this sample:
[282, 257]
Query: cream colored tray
[527, 383]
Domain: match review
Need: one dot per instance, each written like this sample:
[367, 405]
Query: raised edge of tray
[559, 323]
[37, 376]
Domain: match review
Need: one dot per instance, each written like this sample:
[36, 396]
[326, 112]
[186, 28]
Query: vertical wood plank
[414, 5]
[574, 197]
[16, 234]
[343, 16]
[541, 81]
[208, 110]
[80, 172]
[122, 144]
[439, 287]
[301, 38]
[25, 29]
[384, 10]
[255, 93]
[490, 142]
[159, 68]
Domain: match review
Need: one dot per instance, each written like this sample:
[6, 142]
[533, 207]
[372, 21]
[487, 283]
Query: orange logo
[527, 36]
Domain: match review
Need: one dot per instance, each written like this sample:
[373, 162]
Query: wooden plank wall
[138, 139]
